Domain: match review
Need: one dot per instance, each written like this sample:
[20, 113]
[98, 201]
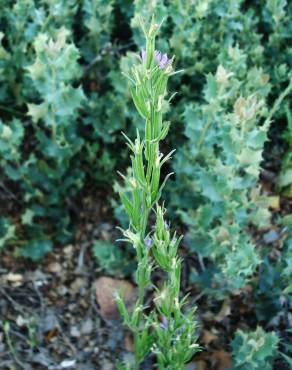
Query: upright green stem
[154, 245]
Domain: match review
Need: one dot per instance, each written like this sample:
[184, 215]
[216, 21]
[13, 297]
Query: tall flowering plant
[163, 328]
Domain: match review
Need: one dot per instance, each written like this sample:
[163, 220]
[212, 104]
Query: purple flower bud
[157, 55]
[162, 60]
[164, 323]
[148, 242]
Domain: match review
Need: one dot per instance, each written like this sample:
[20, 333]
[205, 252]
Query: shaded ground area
[59, 314]
[50, 318]
[54, 321]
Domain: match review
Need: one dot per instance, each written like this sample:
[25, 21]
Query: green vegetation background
[64, 102]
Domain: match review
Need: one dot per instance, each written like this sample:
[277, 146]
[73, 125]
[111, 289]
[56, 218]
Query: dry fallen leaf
[224, 311]
[275, 202]
[55, 267]
[14, 278]
[199, 362]
[78, 286]
[106, 288]
[221, 360]
[208, 337]
[128, 341]
[51, 334]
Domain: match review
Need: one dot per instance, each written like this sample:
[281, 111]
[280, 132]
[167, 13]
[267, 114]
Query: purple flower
[157, 55]
[162, 59]
[148, 242]
[164, 323]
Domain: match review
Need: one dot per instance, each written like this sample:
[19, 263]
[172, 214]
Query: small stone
[87, 327]
[22, 321]
[55, 267]
[78, 286]
[75, 332]
[66, 364]
[106, 288]
[69, 249]
[49, 322]
[83, 303]
[14, 278]
[62, 290]
[89, 227]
